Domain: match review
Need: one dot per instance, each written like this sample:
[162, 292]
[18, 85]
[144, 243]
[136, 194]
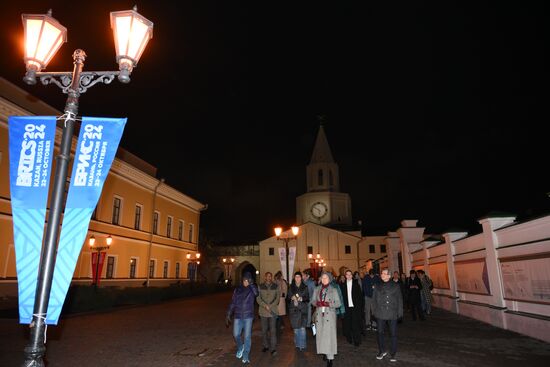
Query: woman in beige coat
[283, 289]
[326, 300]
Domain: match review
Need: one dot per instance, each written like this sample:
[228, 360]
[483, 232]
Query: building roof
[37, 107]
[15, 98]
[308, 224]
[498, 214]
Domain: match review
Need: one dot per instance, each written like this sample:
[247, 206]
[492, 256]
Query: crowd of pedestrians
[375, 302]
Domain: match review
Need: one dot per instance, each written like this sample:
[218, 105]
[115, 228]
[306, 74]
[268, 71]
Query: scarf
[322, 296]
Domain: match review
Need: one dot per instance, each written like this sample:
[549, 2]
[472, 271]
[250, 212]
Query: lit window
[133, 263]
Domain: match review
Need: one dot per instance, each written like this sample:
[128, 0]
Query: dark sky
[434, 111]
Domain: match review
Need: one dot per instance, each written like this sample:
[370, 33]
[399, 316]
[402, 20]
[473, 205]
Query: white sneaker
[381, 355]
[239, 353]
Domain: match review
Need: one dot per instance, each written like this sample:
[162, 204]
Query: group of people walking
[375, 302]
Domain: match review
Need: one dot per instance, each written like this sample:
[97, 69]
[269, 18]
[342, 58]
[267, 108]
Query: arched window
[320, 177]
[330, 179]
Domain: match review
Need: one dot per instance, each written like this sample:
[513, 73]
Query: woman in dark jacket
[242, 308]
[298, 296]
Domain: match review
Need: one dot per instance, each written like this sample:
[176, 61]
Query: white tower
[323, 203]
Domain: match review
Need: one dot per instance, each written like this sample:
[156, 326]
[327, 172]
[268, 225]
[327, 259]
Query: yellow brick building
[153, 226]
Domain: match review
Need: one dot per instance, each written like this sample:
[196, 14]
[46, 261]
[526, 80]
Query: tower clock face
[319, 210]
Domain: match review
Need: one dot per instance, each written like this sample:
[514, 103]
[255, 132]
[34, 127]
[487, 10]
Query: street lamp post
[91, 242]
[44, 35]
[278, 231]
[196, 262]
[318, 263]
[228, 263]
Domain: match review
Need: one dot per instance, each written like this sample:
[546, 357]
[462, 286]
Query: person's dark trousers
[416, 307]
[352, 324]
[269, 333]
[393, 335]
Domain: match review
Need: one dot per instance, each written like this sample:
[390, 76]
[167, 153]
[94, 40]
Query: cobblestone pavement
[191, 332]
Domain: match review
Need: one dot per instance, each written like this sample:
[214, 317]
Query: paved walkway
[191, 332]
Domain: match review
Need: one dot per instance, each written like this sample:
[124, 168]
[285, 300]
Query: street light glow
[295, 230]
[44, 36]
[131, 32]
[278, 231]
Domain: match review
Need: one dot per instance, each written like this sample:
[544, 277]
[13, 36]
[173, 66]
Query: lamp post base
[34, 356]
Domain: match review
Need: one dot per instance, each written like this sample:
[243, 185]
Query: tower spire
[321, 151]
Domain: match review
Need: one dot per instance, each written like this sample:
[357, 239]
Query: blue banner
[31, 142]
[95, 150]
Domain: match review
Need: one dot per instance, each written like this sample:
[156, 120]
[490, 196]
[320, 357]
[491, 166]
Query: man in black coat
[353, 301]
[388, 308]
[414, 287]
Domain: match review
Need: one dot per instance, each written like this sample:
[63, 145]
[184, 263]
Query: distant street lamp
[278, 231]
[317, 264]
[43, 36]
[228, 263]
[194, 265]
[321, 263]
[91, 242]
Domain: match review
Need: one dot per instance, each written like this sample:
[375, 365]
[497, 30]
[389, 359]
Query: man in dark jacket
[388, 307]
[414, 286]
[242, 307]
[369, 281]
[353, 301]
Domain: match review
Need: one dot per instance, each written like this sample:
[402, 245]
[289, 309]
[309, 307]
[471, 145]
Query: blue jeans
[393, 335]
[300, 337]
[238, 326]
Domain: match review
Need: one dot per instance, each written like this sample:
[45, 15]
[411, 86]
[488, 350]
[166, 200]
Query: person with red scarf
[326, 300]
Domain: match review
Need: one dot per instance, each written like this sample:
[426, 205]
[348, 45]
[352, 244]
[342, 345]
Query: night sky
[433, 111]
